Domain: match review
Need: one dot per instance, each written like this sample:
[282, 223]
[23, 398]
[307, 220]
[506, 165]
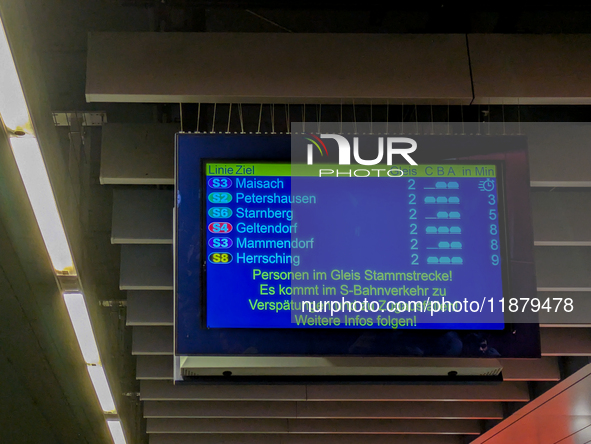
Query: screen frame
[191, 338]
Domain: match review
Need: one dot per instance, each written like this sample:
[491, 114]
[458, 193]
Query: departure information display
[318, 247]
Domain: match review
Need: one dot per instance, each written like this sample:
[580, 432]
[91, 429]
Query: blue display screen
[313, 249]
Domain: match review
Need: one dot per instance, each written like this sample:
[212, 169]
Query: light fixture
[34, 175]
[16, 121]
[13, 107]
[78, 312]
[25, 147]
[101, 387]
[116, 431]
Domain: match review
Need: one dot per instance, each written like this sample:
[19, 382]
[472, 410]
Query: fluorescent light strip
[14, 113]
[78, 312]
[13, 107]
[116, 431]
[32, 169]
[101, 387]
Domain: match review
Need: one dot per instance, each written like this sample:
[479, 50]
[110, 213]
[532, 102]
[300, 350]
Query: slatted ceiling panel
[506, 392]
[221, 409]
[305, 426]
[400, 410]
[545, 369]
[155, 367]
[152, 341]
[561, 218]
[567, 166]
[529, 69]
[566, 341]
[146, 267]
[150, 308]
[320, 410]
[579, 317]
[179, 438]
[187, 438]
[297, 67]
[167, 391]
[142, 216]
[140, 154]
[390, 426]
[577, 341]
[143, 154]
[234, 425]
[563, 268]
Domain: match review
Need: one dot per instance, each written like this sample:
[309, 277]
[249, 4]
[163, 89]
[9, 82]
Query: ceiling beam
[316, 426]
[236, 438]
[322, 410]
[167, 391]
[278, 68]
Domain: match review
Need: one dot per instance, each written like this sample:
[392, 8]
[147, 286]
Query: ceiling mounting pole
[387, 114]
[354, 116]
[241, 119]
[287, 122]
[489, 116]
[341, 116]
[181, 115]
[304, 118]
[448, 117]
[213, 122]
[518, 117]
[371, 117]
[503, 112]
[260, 118]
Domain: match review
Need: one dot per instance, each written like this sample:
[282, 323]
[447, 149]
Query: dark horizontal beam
[333, 5]
[322, 410]
[167, 391]
[256, 438]
[555, 341]
[313, 426]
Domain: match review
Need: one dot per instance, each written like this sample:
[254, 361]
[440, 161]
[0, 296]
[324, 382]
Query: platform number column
[412, 217]
[488, 186]
[220, 228]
